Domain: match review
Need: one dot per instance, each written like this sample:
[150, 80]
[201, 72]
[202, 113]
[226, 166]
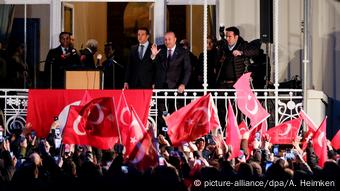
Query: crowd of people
[30, 163]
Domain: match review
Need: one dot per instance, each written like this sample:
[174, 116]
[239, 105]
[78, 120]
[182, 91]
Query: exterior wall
[90, 21]
[326, 47]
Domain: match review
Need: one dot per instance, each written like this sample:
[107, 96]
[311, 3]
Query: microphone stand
[51, 72]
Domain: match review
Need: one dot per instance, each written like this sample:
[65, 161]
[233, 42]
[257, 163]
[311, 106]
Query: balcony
[282, 105]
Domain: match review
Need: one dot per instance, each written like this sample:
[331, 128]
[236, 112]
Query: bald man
[173, 68]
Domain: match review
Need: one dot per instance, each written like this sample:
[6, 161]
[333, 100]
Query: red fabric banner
[233, 136]
[285, 133]
[336, 141]
[192, 121]
[75, 132]
[320, 143]
[44, 105]
[248, 103]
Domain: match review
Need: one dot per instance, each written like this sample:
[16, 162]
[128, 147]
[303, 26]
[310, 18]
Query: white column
[160, 12]
[55, 22]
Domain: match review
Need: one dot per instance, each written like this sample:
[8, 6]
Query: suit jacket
[59, 62]
[176, 72]
[140, 74]
[87, 59]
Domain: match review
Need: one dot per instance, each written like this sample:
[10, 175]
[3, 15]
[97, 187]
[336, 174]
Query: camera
[161, 161]
[258, 136]
[222, 31]
[276, 150]
[1, 136]
[165, 113]
[125, 169]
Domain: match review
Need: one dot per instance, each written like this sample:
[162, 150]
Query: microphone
[222, 30]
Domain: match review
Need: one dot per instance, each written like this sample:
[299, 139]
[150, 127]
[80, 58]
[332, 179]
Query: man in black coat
[58, 60]
[113, 70]
[172, 64]
[87, 54]
[140, 70]
[235, 58]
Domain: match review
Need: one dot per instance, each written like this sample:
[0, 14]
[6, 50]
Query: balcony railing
[13, 103]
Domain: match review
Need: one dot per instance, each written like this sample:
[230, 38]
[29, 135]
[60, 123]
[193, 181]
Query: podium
[83, 79]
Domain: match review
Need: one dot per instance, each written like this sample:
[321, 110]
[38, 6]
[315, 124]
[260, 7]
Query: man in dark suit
[140, 70]
[87, 54]
[113, 70]
[172, 64]
[58, 60]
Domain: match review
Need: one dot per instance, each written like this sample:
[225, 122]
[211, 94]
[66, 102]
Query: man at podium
[58, 60]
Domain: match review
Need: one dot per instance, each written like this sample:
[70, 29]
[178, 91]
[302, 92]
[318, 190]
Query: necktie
[141, 47]
[169, 57]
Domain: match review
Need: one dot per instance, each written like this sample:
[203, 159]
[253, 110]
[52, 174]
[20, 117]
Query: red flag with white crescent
[320, 143]
[192, 121]
[124, 117]
[336, 141]
[243, 127]
[44, 105]
[75, 132]
[285, 133]
[247, 101]
[311, 128]
[233, 136]
[139, 148]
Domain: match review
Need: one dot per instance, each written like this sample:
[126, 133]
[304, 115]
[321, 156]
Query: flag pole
[116, 119]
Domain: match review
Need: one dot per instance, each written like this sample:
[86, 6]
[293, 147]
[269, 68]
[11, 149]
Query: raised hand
[154, 51]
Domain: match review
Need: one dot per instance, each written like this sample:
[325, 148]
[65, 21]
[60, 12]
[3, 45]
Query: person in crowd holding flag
[58, 60]
[235, 57]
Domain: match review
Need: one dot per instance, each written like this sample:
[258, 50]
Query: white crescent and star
[289, 127]
[100, 115]
[243, 129]
[256, 107]
[121, 117]
[205, 110]
[76, 126]
[320, 138]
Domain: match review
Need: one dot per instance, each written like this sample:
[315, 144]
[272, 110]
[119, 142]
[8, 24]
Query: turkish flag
[233, 136]
[336, 141]
[139, 148]
[260, 130]
[320, 144]
[124, 117]
[309, 122]
[243, 127]
[284, 133]
[75, 132]
[247, 101]
[100, 117]
[311, 128]
[192, 121]
[44, 105]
